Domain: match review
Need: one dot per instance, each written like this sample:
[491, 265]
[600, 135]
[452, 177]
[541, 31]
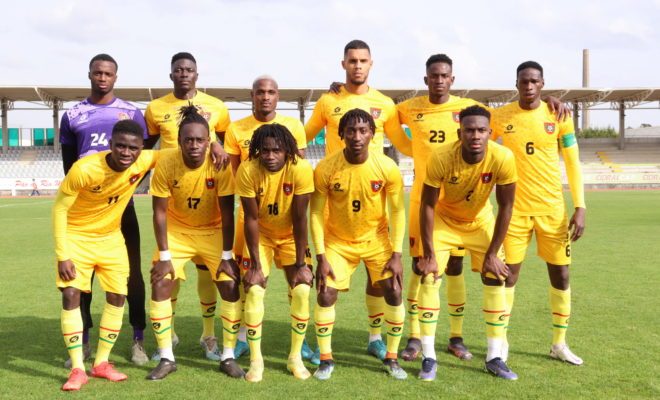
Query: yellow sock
[429, 305]
[411, 301]
[72, 327]
[509, 294]
[494, 310]
[230, 314]
[299, 317]
[375, 311]
[173, 299]
[560, 303]
[324, 320]
[254, 316]
[394, 317]
[241, 332]
[160, 313]
[456, 304]
[208, 297]
[109, 328]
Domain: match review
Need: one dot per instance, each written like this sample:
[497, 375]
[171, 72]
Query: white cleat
[562, 352]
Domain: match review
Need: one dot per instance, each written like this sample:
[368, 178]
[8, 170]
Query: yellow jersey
[162, 116]
[239, 134]
[193, 193]
[274, 192]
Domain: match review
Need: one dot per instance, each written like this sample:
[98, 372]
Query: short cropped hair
[356, 115]
[183, 56]
[356, 45]
[474, 110]
[103, 57]
[529, 64]
[129, 127]
[264, 77]
[439, 58]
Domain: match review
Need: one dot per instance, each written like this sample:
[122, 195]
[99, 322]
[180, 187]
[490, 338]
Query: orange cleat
[77, 378]
[107, 371]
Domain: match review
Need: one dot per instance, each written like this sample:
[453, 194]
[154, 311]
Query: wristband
[226, 255]
[301, 265]
[164, 255]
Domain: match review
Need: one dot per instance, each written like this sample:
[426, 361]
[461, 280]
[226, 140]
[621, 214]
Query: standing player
[85, 129]
[465, 173]
[530, 131]
[275, 185]
[162, 122]
[358, 185]
[328, 111]
[193, 217]
[86, 224]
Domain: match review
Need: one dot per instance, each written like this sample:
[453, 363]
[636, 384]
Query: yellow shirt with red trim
[332, 106]
[357, 194]
[465, 188]
[193, 193]
[239, 134]
[274, 192]
[163, 119]
[535, 137]
[102, 193]
[431, 126]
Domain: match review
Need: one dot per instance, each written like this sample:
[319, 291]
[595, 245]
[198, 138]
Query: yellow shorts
[239, 234]
[552, 239]
[474, 236]
[201, 249]
[280, 250]
[107, 257]
[344, 257]
[415, 238]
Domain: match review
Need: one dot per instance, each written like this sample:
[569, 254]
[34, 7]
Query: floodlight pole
[56, 126]
[576, 117]
[5, 129]
[585, 84]
[622, 125]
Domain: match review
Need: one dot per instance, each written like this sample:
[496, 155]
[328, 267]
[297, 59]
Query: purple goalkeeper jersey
[88, 126]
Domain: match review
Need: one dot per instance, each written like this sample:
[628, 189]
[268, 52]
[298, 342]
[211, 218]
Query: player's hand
[229, 268]
[497, 267]
[303, 275]
[66, 270]
[394, 264]
[335, 87]
[577, 223]
[558, 108]
[219, 156]
[160, 270]
[428, 265]
[323, 270]
[254, 276]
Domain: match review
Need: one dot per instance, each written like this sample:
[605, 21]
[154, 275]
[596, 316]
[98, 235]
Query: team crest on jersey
[122, 116]
[486, 177]
[134, 178]
[245, 263]
[412, 242]
[375, 112]
[376, 186]
[210, 183]
[288, 188]
[456, 117]
[549, 127]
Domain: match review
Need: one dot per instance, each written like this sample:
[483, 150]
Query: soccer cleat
[505, 352]
[231, 368]
[164, 368]
[77, 378]
[498, 368]
[393, 369]
[377, 349]
[316, 358]
[324, 371]
[210, 346]
[138, 355]
[87, 354]
[412, 349]
[256, 371]
[107, 371]
[297, 368]
[429, 368]
[241, 349]
[562, 352]
[156, 355]
[305, 352]
[457, 348]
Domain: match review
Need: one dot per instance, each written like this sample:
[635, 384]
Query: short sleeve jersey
[193, 193]
[535, 137]
[239, 134]
[88, 126]
[274, 192]
[465, 188]
[431, 126]
[102, 193]
[357, 194]
[332, 106]
[163, 119]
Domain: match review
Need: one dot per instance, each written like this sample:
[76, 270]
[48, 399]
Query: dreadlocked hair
[281, 134]
[190, 115]
[353, 116]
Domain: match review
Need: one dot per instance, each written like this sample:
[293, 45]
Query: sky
[301, 43]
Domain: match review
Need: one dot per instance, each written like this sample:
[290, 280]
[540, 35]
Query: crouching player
[193, 219]
[87, 228]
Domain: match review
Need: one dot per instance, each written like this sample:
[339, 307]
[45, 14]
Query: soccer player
[162, 122]
[87, 218]
[357, 185]
[275, 185]
[465, 173]
[531, 132]
[193, 218]
[328, 111]
[85, 129]
[265, 95]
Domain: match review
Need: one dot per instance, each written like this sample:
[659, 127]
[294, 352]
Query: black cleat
[231, 368]
[164, 368]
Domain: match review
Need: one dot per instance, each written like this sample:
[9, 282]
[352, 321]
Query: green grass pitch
[614, 328]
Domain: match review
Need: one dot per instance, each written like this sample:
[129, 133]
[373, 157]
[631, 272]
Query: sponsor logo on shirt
[486, 177]
[337, 111]
[288, 188]
[420, 116]
[83, 118]
[375, 112]
[206, 115]
[509, 129]
[376, 186]
[337, 187]
[453, 180]
[210, 183]
[549, 127]
[456, 117]
[246, 143]
[175, 185]
[122, 116]
[260, 191]
[134, 178]
[167, 116]
[96, 189]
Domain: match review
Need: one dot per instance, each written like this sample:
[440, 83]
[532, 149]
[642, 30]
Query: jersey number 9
[356, 205]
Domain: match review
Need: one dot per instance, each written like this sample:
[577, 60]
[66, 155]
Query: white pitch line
[25, 204]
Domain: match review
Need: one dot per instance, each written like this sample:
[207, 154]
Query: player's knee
[558, 276]
[393, 296]
[70, 298]
[115, 299]
[229, 290]
[454, 266]
[327, 298]
[415, 271]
